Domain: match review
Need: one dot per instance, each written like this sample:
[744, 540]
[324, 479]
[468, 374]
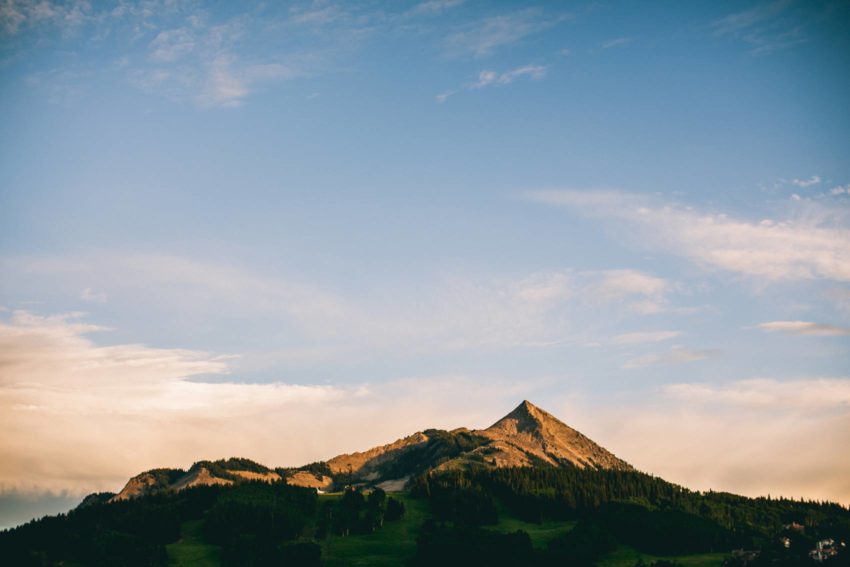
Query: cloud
[619, 285]
[170, 45]
[16, 15]
[813, 180]
[754, 437]
[740, 22]
[812, 247]
[676, 355]
[811, 395]
[175, 48]
[309, 323]
[493, 33]
[228, 84]
[645, 337]
[535, 72]
[542, 287]
[317, 13]
[203, 62]
[767, 27]
[492, 78]
[616, 42]
[90, 295]
[131, 407]
[485, 78]
[804, 328]
[436, 6]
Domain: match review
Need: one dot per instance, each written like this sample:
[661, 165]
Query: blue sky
[220, 221]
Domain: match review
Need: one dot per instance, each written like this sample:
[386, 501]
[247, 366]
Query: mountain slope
[528, 436]
[367, 462]
[529, 433]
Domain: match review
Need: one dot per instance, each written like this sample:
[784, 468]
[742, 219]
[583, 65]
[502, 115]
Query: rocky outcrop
[310, 480]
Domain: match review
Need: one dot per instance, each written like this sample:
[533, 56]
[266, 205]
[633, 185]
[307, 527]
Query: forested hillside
[518, 516]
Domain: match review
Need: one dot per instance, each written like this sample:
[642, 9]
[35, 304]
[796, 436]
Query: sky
[284, 231]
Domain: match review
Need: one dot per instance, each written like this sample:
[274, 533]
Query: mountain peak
[527, 408]
[526, 417]
[529, 433]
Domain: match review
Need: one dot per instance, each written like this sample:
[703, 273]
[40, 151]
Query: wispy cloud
[317, 13]
[768, 27]
[815, 246]
[813, 180]
[645, 337]
[492, 78]
[532, 71]
[619, 285]
[202, 60]
[228, 83]
[16, 15]
[616, 42]
[451, 313]
[487, 36]
[436, 6]
[176, 49]
[814, 394]
[170, 45]
[804, 328]
[742, 22]
[676, 355]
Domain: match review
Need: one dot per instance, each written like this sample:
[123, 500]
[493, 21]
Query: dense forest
[618, 507]
[257, 524]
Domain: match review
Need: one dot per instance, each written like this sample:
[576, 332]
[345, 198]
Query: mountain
[528, 490]
[526, 437]
[202, 473]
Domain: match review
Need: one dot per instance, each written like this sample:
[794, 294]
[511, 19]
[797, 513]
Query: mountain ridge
[528, 436]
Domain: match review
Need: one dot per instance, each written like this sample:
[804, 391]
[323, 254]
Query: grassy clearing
[393, 544]
[625, 556]
[541, 534]
[190, 550]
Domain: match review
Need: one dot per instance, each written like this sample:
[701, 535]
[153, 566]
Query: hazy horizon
[284, 232]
